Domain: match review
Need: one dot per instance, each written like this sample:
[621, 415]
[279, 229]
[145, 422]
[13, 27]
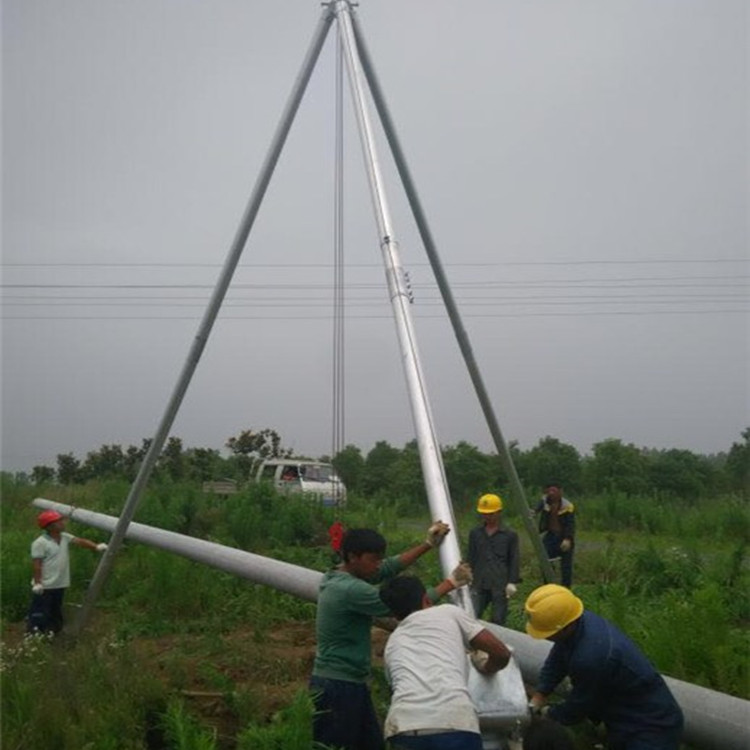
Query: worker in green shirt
[347, 603]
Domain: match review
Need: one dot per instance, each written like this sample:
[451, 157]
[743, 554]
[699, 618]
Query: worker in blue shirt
[612, 681]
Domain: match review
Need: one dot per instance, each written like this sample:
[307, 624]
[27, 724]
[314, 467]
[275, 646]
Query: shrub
[91, 695]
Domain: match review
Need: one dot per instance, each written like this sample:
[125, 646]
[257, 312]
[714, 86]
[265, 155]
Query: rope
[338, 261]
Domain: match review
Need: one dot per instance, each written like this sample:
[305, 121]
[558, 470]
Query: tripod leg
[209, 317]
[451, 307]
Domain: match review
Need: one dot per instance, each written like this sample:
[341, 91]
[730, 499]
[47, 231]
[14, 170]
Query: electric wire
[339, 303]
[310, 318]
[651, 281]
[462, 264]
[479, 296]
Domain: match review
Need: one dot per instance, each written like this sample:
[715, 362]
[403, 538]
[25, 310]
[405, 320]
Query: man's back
[427, 668]
[612, 680]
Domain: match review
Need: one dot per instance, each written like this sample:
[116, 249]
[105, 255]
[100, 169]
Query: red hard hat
[46, 517]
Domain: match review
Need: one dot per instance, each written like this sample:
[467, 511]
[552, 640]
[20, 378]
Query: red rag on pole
[336, 534]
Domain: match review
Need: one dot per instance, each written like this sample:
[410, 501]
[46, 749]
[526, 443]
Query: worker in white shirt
[426, 665]
[51, 572]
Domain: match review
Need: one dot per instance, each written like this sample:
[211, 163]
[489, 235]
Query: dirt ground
[246, 674]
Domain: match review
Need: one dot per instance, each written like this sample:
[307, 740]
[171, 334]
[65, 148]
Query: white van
[302, 476]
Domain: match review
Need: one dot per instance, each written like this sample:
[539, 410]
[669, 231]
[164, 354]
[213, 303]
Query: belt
[422, 732]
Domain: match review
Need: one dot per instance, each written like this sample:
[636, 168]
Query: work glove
[479, 660]
[101, 547]
[436, 533]
[510, 590]
[37, 588]
[565, 545]
[537, 709]
[461, 575]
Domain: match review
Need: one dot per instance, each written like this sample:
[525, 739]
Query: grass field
[181, 656]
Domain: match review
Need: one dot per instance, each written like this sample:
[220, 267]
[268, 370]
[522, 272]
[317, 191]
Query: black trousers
[552, 546]
[45, 612]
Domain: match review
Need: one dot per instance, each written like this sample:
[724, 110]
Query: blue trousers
[668, 739]
[442, 741]
[344, 715]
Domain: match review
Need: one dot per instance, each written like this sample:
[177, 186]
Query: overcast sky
[583, 166]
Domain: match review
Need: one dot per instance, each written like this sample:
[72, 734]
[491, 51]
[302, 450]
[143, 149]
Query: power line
[373, 302]
[553, 314]
[175, 264]
[735, 281]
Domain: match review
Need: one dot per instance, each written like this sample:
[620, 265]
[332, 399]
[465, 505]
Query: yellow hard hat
[489, 504]
[549, 609]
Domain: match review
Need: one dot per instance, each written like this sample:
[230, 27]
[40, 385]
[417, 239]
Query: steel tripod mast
[355, 56]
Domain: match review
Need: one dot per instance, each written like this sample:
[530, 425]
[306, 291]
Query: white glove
[479, 660]
[461, 575]
[510, 590]
[101, 547]
[565, 545]
[537, 709]
[436, 533]
[37, 588]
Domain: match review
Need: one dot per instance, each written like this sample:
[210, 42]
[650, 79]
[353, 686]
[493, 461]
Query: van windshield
[316, 473]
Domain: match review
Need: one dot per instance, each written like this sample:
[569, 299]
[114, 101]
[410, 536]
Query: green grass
[676, 579]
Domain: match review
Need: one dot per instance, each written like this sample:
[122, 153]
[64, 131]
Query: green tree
[616, 467]
[470, 472]
[738, 464]
[378, 467]
[251, 447]
[106, 463]
[42, 475]
[172, 459]
[406, 478]
[681, 473]
[68, 468]
[204, 464]
[350, 466]
[553, 461]
[133, 458]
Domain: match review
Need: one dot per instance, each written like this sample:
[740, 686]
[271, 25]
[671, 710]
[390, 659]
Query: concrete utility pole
[503, 452]
[431, 459]
[713, 720]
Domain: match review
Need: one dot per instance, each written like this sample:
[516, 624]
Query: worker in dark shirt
[557, 522]
[494, 559]
[612, 681]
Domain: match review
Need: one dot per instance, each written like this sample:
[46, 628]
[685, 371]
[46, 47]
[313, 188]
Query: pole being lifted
[431, 460]
[209, 317]
[713, 720]
[450, 304]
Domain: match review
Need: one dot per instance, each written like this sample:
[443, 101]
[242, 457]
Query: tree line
[388, 473]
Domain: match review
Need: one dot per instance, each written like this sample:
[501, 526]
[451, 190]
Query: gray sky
[583, 166]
